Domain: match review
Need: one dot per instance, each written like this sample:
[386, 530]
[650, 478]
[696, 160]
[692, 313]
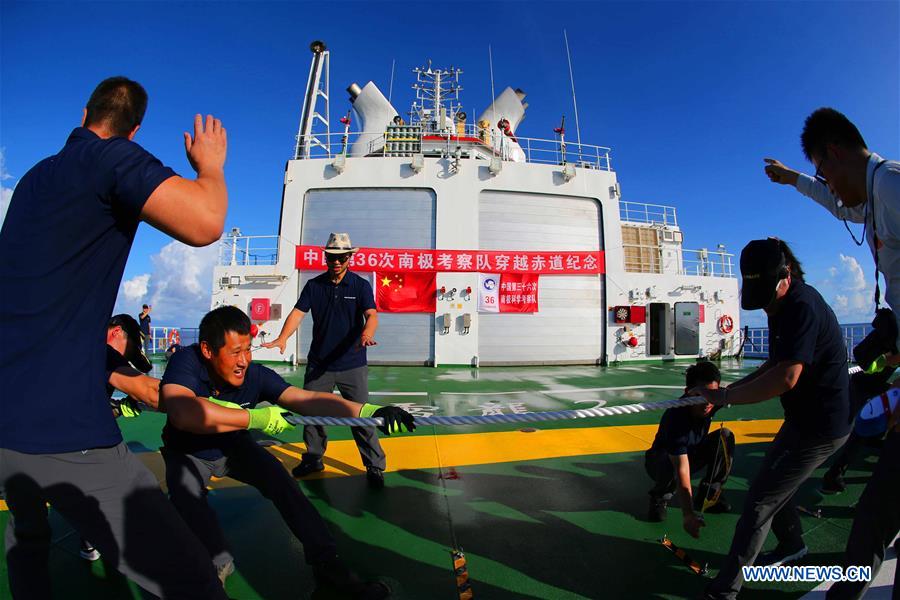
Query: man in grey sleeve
[856, 185]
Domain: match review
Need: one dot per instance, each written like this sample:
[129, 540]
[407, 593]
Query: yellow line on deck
[457, 450]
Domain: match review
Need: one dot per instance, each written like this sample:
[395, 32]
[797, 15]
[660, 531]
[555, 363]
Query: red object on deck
[259, 309]
[254, 329]
[632, 341]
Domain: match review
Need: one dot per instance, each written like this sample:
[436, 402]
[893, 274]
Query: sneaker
[832, 483]
[657, 511]
[781, 555]
[375, 477]
[224, 571]
[306, 467]
[88, 552]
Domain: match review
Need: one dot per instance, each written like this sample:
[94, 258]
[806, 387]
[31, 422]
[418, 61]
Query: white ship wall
[383, 202]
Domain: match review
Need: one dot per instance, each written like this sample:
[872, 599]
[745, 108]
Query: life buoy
[726, 324]
[173, 338]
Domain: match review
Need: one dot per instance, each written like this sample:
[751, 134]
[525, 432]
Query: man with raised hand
[212, 391]
[63, 247]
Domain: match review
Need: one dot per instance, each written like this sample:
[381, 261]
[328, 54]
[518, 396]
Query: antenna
[574, 102]
[493, 96]
[391, 88]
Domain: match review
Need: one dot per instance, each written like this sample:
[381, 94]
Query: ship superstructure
[611, 279]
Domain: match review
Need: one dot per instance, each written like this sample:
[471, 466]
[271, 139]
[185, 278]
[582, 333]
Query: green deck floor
[571, 527]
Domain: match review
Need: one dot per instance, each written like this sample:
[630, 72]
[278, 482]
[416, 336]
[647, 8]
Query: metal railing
[757, 342]
[532, 150]
[161, 337]
[707, 263]
[236, 249]
[649, 259]
[654, 214]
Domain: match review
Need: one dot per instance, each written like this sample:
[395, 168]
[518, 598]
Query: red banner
[519, 292]
[405, 292]
[406, 260]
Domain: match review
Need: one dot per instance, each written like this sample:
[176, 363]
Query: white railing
[532, 150]
[707, 263]
[246, 250]
[654, 214]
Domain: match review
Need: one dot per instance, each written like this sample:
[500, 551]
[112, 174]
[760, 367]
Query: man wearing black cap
[126, 368]
[807, 368]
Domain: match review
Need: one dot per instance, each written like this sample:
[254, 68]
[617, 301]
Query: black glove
[395, 419]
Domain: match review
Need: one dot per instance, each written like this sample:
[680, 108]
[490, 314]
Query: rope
[531, 417]
[559, 415]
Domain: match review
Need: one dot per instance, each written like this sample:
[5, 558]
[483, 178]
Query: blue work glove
[269, 420]
[395, 419]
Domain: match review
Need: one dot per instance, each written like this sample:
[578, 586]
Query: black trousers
[790, 460]
[875, 524]
[708, 454]
[246, 461]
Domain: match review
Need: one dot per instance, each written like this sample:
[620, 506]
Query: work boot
[337, 575]
[307, 467]
[833, 482]
[657, 511]
[375, 477]
[721, 506]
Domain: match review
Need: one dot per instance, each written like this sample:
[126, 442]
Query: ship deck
[545, 510]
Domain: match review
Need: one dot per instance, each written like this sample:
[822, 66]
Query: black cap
[134, 353]
[762, 267]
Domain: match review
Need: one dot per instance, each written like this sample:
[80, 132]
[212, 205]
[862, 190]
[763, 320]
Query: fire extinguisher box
[259, 309]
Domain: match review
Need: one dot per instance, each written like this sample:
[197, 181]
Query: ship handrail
[643, 212]
[757, 340]
[709, 263]
[237, 249]
[535, 150]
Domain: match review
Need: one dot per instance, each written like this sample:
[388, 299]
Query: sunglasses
[337, 258]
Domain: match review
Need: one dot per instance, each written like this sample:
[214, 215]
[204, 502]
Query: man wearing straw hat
[344, 324]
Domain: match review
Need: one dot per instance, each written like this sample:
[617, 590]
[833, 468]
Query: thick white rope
[559, 415]
[531, 417]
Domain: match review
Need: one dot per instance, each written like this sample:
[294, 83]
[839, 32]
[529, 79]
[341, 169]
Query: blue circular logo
[490, 284]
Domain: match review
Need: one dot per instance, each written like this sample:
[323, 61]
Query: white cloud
[848, 291]
[5, 192]
[178, 288]
[136, 288]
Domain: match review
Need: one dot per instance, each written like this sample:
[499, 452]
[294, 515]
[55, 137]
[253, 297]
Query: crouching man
[684, 445]
[211, 391]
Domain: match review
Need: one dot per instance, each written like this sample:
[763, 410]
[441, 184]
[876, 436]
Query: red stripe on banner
[407, 260]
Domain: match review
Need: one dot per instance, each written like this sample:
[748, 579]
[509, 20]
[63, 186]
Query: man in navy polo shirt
[211, 391]
[807, 367]
[344, 324]
[63, 247]
[683, 445]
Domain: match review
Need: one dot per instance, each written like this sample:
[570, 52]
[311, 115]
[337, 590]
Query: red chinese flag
[405, 292]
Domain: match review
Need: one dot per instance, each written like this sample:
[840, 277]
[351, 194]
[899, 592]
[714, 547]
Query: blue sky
[689, 96]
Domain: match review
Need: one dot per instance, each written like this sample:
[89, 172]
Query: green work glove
[878, 365]
[224, 403]
[269, 420]
[126, 407]
[395, 419]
